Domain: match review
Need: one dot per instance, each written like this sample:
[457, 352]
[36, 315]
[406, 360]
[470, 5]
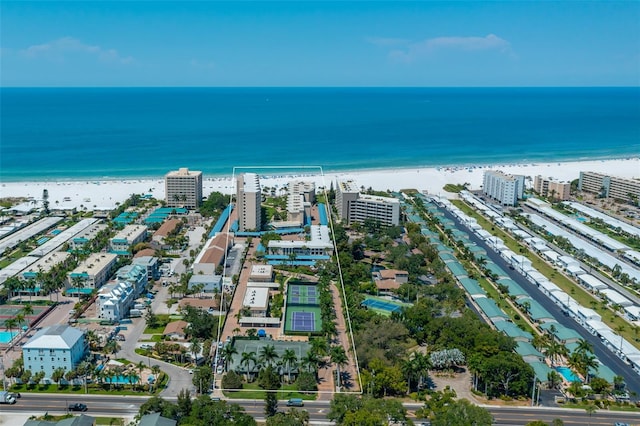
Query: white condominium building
[609, 186]
[300, 197]
[504, 188]
[183, 188]
[353, 206]
[248, 198]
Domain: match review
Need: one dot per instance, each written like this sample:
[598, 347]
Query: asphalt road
[107, 405]
[621, 368]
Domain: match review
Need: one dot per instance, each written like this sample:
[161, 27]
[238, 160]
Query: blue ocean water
[144, 132]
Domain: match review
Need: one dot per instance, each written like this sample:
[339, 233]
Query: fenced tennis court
[10, 311]
[299, 294]
[303, 319]
[381, 305]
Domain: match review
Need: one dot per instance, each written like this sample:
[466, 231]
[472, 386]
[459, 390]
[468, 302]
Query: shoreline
[105, 194]
[327, 171]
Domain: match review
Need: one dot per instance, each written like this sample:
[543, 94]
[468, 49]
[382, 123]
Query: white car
[220, 369]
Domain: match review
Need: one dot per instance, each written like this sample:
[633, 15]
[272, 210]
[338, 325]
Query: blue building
[58, 346]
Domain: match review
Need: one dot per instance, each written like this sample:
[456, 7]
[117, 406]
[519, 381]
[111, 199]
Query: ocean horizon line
[322, 87]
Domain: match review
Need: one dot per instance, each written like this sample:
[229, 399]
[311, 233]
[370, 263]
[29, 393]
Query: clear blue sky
[331, 43]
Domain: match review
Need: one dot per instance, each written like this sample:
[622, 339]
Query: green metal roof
[495, 269]
[456, 268]
[527, 349]
[541, 370]
[514, 287]
[471, 286]
[603, 372]
[512, 330]
[490, 308]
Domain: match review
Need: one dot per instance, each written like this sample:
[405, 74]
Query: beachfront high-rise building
[353, 206]
[548, 187]
[504, 188]
[248, 198]
[183, 188]
[609, 186]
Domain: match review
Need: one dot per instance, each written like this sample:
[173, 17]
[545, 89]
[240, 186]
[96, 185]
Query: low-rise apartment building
[130, 235]
[54, 347]
[93, 272]
[548, 187]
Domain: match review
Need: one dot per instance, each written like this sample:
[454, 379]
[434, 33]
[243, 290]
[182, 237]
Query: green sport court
[10, 311]
[381, 306]
[303, 314]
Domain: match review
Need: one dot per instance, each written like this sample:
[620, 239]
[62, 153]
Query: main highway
[114, 406]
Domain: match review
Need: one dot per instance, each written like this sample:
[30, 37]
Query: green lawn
[583, 297]
[253, 391]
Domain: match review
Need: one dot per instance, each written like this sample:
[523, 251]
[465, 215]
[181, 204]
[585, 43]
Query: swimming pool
[7, 336]
[121, 380]
[568, 374]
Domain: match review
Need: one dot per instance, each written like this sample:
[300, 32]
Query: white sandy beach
[104, 194]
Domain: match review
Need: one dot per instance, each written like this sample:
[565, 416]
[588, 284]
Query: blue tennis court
[381, 305]
[303, 321]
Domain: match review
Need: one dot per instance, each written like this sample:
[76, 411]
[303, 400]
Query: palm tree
[140, 367]
[423, 364]
[10, 324]
[288, 358]
[57, 375]
[319, 346]
[339, 358]
[268, 355]
[584, 346]
[310, 361]
[247, 358]
[227, 355]
[155, 369]
[19, 320]
[26, 311]
[195, 349]
[410, 371]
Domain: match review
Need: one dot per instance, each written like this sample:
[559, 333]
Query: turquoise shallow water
[567, 374]
[144, 132]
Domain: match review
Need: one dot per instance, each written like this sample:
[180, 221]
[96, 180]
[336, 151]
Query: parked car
[146, 346]
[77, 407]
[220, 369]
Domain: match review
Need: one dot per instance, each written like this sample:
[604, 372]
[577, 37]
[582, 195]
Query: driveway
[179, 378]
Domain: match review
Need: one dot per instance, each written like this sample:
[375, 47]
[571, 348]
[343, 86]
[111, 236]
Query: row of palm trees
[288, 363]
